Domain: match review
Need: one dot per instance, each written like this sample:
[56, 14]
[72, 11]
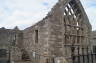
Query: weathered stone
[66, 25]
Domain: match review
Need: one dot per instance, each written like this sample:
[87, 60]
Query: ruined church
[54, 39]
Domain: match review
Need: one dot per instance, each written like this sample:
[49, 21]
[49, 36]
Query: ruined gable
[65, 25]
[54, 38]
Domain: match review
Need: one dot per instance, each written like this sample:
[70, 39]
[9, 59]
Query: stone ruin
[51, 39]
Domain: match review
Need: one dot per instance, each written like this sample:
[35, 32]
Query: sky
[25, 13]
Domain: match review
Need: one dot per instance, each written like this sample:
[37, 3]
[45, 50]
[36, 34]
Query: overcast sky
[24, 13]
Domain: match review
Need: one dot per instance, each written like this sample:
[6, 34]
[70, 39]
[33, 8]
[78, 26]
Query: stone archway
[25, 56]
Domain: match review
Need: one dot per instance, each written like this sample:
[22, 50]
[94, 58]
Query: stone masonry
[66, 25]
[50, 40]
[93, 41]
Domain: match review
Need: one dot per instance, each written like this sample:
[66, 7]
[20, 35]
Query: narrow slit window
[36, 36]
[14, 40]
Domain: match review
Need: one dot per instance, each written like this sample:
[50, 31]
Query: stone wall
[93, 41]
[33, 46]
[11, 40]
[4, 38]
[66, 25]
[16, 45]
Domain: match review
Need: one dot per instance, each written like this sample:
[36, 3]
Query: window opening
[36, 36]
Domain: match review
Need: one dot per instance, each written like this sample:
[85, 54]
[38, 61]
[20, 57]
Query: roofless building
[56, 39]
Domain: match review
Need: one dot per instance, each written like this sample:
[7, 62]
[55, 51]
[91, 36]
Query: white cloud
[90, 7]
[24, 13]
